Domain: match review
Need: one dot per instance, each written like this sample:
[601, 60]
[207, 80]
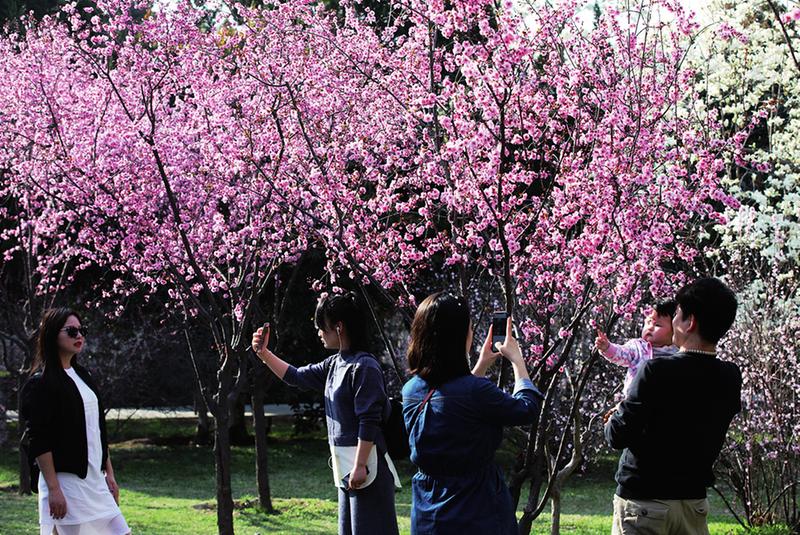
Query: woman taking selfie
[66, 432]
[455, 423]
[355, 405]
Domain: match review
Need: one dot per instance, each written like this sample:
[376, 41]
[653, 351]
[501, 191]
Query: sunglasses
[72, 332]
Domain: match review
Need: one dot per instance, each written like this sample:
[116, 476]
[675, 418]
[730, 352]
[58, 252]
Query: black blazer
[55, 421]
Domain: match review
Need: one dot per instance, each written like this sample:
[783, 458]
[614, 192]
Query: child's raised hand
[601, 342]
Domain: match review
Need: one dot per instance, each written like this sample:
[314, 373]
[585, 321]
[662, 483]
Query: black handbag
[33, 466]
[394, 431]
[394, 428]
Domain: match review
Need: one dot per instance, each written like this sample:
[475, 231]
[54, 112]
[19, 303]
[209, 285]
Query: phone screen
[499, 320]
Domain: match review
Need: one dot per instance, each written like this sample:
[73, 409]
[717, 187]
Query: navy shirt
[355, 396]
[459, 489]
[672, 426]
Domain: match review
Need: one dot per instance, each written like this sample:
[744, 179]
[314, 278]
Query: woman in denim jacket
[455, 423]
[355, 405]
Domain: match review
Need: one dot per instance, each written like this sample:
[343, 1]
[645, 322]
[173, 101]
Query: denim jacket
[461, 426]
[459, 489]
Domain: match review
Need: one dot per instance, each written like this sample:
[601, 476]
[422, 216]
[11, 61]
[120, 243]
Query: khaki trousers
[660, 517]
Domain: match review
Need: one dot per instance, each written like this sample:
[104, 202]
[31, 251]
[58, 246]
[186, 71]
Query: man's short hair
[666, 308]
[712, 304]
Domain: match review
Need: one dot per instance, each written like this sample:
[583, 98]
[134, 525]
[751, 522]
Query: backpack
[394, 431]
[393, 426]
[398, 444]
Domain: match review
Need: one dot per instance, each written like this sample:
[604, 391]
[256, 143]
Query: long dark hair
[47, 356]
[437, 352]
[348, 309]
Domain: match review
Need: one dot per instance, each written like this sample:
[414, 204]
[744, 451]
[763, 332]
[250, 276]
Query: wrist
[516, 359]
[520, 370]
[484, 362]
[54, 487]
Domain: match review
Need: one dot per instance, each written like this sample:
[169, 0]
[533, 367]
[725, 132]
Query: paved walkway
[174, 412]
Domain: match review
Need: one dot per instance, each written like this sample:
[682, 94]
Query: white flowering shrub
[750, 78]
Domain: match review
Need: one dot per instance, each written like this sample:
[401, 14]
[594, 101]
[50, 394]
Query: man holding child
[673, 422]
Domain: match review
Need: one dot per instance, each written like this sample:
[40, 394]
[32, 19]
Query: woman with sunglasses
[66, 435]
[455, 421]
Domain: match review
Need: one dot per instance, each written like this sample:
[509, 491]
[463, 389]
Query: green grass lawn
[168, 487]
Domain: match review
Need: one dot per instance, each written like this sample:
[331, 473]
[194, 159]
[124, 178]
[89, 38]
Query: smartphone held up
[499, 320]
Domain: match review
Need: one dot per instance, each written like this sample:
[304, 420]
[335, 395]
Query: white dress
[91, 509]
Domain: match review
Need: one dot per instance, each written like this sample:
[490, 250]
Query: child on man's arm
[656, 341]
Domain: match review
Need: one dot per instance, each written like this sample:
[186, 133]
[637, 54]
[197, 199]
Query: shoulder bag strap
[422, 405]
[424, 401]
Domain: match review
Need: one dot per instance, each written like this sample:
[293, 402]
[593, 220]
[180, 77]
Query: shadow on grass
[312, 516]
[169, 487]
[19, 515]
[298, 467]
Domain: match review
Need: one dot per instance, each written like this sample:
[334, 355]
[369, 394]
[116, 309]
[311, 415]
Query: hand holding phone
[499, 321]
[346, 479]
[509, 347]
[260, 341]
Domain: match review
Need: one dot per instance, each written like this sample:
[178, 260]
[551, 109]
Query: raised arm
[273, 362]
[310, 377]
[629, 355]
[510, 350]
[497, 406]
[486, 358]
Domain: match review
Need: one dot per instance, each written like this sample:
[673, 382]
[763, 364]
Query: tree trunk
[24, 475]
[222, 448]
[527, 518]
[535, 476]
[202, 434]
[24, 467]
[555, 511]
[238, 424]
[3, 415]
[260, 431]
[557, 478]
[529, 465]
[222, 458]
[504, 374]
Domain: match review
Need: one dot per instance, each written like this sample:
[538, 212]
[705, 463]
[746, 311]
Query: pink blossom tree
[524, 159]
[119, 134]
[21, 304]
[534, 164]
